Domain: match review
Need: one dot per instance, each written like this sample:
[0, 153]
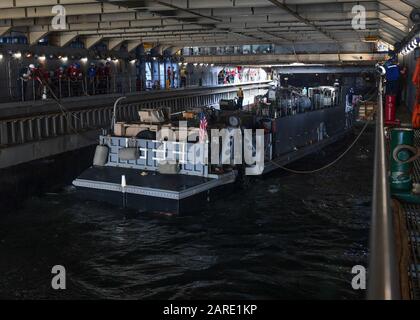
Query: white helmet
[31, 66]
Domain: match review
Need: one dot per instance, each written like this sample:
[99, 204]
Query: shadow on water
[285, 237]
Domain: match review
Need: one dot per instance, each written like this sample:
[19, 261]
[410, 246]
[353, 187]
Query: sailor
[108, 75]
[392, 76]
[173, 77]
[349, 100]
[91, 78]
[240, 95]
[168, 77]
[183, 77]
[22, 81]
[100, 75]
[37, 75]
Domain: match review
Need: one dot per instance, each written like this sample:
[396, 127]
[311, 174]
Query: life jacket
[416, 109]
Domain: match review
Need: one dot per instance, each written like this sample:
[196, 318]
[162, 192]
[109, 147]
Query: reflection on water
[286, 236]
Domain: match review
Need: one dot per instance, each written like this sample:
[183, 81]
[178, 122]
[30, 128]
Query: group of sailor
[64, 78]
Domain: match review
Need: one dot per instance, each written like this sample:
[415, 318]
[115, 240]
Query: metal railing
[33, 89]
[383, 277]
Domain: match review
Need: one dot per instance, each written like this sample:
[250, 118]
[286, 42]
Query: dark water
[286, 236]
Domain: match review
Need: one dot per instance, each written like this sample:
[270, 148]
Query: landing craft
[131, 166]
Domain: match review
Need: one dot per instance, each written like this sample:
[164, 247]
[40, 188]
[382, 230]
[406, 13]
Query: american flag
[203, 128]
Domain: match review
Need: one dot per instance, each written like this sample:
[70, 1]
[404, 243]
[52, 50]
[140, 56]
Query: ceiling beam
[115, 43]
[34, 36]
[133, 44]
[302, 19]
[61, 39]
[90, 41]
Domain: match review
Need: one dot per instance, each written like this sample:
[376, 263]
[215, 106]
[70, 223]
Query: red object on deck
[390, 110]
[416, 108]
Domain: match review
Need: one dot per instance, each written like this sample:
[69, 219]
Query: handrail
[383, 270]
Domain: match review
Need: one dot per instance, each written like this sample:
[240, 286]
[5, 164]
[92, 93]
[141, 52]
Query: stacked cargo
[367, 110]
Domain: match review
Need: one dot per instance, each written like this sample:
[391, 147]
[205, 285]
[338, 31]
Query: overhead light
[1, 56]
[42, 58]
[64, 59]
[17, 55]
[195, 64]
[133, 61]
[109, 59]
[84, 59]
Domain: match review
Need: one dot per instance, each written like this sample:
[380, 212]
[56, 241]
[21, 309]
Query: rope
[330, 164]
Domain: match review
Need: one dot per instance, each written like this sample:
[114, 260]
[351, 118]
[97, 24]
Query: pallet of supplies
[367, 110]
